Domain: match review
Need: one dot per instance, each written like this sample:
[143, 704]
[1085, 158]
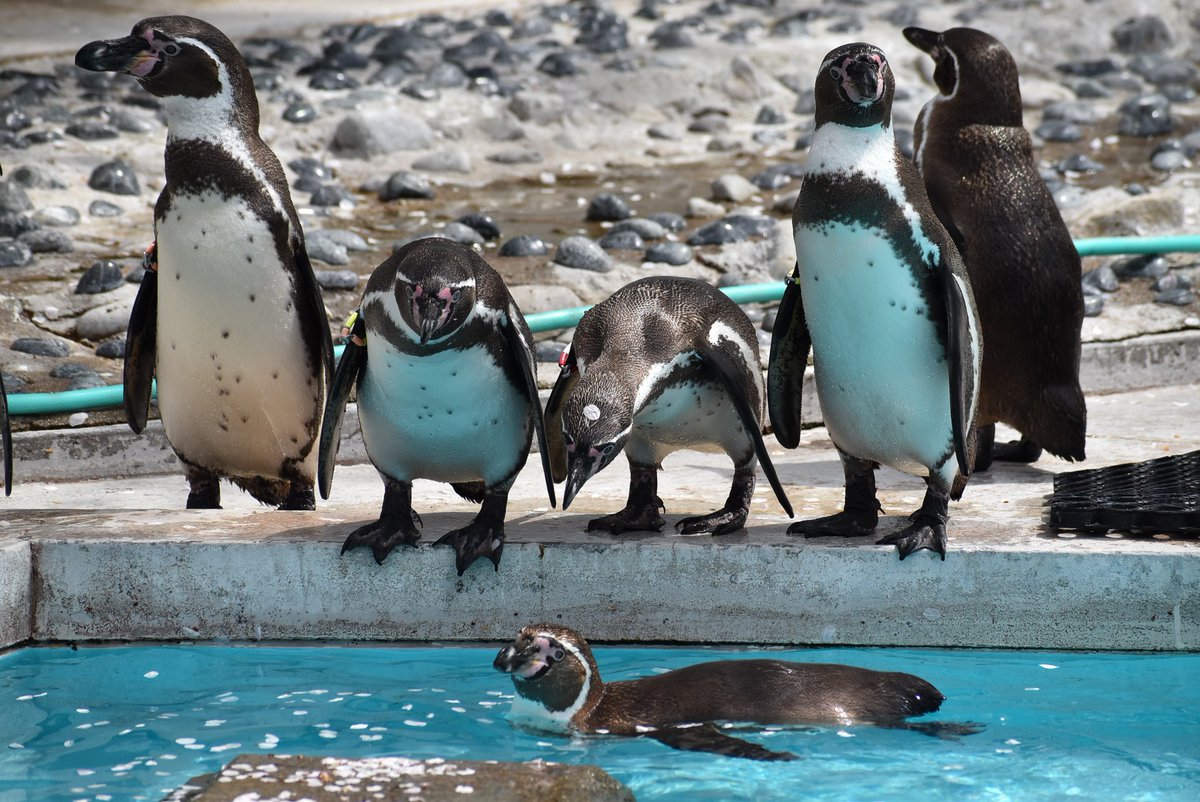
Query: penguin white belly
[881, 373]
[235, 389]
[696, 416]
[452, 416]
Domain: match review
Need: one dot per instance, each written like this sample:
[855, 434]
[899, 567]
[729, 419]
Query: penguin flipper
[6, 440]
[707, 738]
[790, 344]
[516, 341]
[731, 370]
[563, 386]
[964, 352]
[141, 347]
[311, 306]
[354, 358]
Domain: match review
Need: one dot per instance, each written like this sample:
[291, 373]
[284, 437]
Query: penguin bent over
[881, 298]
[976, 159]
[663, 364]
[229, 315]
[444, 367]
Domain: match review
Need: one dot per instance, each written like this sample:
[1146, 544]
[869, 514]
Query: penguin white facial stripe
[721, 330]
[569, 713]
[870, 152]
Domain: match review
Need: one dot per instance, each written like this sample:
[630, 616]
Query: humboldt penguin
[443, 363]
[880, 295]
[6, 440]
[977, 162]
[229, 315]
[663, 364]
[558, 687]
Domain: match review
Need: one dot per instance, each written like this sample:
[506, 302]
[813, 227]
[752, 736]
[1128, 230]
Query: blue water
[118, 723]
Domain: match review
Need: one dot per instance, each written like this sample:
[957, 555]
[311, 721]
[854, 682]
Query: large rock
[373, 132]
[329, 779]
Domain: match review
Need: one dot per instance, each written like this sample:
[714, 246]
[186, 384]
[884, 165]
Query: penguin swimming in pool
[444, 366]
[976, 159]
[881, 297]
[662, 364]
[229, 315]
[558, 687]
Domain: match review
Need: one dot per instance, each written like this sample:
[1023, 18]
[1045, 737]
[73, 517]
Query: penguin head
[596, 421]
[553, 672]
[174, 57]
[855, 86]
[435, 288]
[972, 58]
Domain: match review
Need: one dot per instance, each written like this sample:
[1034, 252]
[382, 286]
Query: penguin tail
[1065, 427]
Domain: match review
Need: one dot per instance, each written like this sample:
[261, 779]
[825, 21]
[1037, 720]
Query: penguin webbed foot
[847, 523]
[204, 493]
[300, 497]
[707, 737]
[721, 522]
[1020, 451]
[634, 518]
[946, 730]
[925, 532]
[483, 538]
[384, 535]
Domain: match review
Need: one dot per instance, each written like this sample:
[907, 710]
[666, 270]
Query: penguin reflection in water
[444, 367]
[977, 162]
[881, 297]
[558, 687]
[229, 314]
[662, 364]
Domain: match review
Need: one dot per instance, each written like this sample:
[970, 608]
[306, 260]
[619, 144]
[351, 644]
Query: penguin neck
[564, 707]
[846, 150]
[209, 118]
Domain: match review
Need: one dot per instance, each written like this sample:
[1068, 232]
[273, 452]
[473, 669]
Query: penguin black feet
[860, 512]
[300, 497]
[483, 538]
[641, 510]
[398, 523]
[1023, 451]
[205, 490]
[928, 527]
[729, 518]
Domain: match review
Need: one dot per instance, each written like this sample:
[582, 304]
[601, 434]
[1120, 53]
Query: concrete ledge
[16, 573]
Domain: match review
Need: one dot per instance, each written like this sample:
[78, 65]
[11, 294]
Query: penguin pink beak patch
[142, 64]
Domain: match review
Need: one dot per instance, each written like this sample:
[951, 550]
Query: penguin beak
[429, 325]
[505, 660]
[583, 466]
[131, 54]
[864, 76]
[922, 39]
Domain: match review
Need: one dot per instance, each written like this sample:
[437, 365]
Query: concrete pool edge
[16, 596]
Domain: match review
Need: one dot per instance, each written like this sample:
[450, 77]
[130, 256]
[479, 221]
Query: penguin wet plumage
[976, 159]
[558, 687]
[230, 317]
[663, 364]
[881, 297]
[444, 365]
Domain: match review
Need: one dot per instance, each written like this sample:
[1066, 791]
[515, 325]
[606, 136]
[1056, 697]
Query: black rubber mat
[1157, 496]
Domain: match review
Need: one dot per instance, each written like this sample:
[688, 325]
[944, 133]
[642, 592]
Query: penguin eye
[607, 449]
[456, 295]
[558, 655]
[836, 73]
[171, 49]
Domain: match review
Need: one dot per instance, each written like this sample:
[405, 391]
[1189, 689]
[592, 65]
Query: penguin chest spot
[450, 416]
[881, 371]
[236, 387]
[697, 415]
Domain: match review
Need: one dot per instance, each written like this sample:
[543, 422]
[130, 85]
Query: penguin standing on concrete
[663, 364]
[444, 367]
[229, 314]
[977, 162]
[881, 298]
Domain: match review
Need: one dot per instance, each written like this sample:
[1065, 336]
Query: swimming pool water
[133, 722]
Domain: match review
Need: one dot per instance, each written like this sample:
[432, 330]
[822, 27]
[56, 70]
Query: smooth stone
[1162, 71]
[300, 112]
[103, 322]
[12, 383]
[1141, 266]
[644, 227]
[86, 381]
[336, 279]
[102, 276]
[58, 216]
[47, 240]
[1146, 115]
[516, 156]
[1079, 163]
[1171, 281]
[91, 131]
[447, 75]
[116, 177]
[450, 160]
[40, 346]
[626, 240]
[112, 349]
[14, 253]
[670, 221]
[1087, 89]
[332, 80]
[69, 370]
[460, 232]
[558, 65]
[671, 253]
[733, 228]
[130, 122]
[103, 208]
[1165, 161]
[310, 167]
[670, 132]
[422, 90]
[485, 224]
[370, 133]
[671, 36]
[710, 123]
[524, 245]
[323, 249]
[1176, 297]
[777, 175]
[1059, 131]
[1093, 305]
[1072, 111]
[13, 197]
[1102, 278]
[347, 239]
[404, 184]
[538, 107]
[702, 207]
[331, 195]
[607, 207]
[603, 31]
[1143, 34]
[1089, 68]
[28, 176]
[769, 115]
[584, 254]
[733, 187]
[14, 225]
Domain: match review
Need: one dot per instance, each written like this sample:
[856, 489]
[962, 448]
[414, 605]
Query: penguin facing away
[663, 364]
[976, 159]
[229, 316]
[444, 367]
[880, 296]
[558, 687]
